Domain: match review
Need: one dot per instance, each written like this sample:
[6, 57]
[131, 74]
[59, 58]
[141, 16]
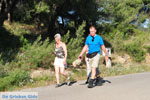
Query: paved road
[124, 87]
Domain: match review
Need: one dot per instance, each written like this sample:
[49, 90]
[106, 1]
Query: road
[124, 87]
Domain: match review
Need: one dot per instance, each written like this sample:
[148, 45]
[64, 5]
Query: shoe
[91, 83]
[57, 85]
[68, 81]
[87, 81]
[98, 81]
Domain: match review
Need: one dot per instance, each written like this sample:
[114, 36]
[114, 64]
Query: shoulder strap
[55, 45]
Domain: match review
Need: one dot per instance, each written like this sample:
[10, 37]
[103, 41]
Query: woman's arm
[65, 50]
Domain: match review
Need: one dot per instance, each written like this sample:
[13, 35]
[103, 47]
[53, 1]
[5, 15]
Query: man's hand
[83, 51]
[106, 56]
[80, 57]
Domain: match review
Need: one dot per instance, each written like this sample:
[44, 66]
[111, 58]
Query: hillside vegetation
[27, 38]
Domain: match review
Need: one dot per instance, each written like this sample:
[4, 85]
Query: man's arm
[83, 51]
[104, 49]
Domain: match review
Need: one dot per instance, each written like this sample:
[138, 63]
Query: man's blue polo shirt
[95, 45]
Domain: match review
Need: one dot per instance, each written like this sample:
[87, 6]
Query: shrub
[74, 45]
[15, 78]
[3, 71]
[135, 51]
[31, 56]
[147, 48]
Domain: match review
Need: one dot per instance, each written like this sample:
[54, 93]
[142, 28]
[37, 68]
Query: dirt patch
[122, 59]
[147, 58]
[41, 72]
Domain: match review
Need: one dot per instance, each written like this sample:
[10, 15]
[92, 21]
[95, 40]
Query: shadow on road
[103, 81]
[70, 84]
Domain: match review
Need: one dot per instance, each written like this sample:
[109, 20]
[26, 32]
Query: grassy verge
[80, 74]
[122, 70]
[38, 54]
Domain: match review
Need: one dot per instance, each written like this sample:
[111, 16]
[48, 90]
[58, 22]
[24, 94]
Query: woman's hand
[64, 62]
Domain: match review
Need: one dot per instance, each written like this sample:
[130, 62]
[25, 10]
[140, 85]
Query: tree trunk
[9, 19]
[6, 6]
[3, 14]
[52, 20]
[51, 28]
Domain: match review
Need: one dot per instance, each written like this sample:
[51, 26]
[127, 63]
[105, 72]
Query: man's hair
[92, 27]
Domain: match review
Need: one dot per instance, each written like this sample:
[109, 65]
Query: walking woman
[60, 59]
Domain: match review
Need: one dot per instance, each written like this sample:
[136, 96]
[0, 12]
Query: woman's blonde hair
[57, 36]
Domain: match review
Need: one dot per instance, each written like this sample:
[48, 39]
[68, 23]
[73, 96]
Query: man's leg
[93, 73]
[94, 64]
[88, 71]
[98, 78]
[97, 72]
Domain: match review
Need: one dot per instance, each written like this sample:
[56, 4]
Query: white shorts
[59, 62]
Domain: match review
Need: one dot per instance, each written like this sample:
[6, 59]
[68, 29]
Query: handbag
[91, 55]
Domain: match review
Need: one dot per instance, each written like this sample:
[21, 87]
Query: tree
[120, 13]
[6, 7]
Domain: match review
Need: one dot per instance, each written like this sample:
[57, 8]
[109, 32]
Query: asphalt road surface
[124, 87]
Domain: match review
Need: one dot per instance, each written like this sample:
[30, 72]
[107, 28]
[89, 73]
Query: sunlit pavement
[124, 87]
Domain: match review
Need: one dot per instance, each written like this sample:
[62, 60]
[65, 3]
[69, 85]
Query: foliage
[15, 78]
[3, 71]
[42, 7]
[135, 51]
[122, 70]
[75, 44]
[19, 54]
[31, 56]
[147, 48]
[17, 29]
[122, 14]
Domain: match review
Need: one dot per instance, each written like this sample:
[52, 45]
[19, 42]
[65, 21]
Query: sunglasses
[92, 38]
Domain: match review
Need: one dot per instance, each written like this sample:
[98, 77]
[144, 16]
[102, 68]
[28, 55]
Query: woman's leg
[57, 73]
[62, 71]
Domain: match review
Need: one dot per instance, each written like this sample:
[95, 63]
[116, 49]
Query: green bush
[33, 56]
[148, 49]
[3, 68]
[15, 78]
[135, 51]
[75, 44]
[3, 71]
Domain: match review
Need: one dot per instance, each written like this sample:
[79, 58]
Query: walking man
[93, 43]
[89, 71]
